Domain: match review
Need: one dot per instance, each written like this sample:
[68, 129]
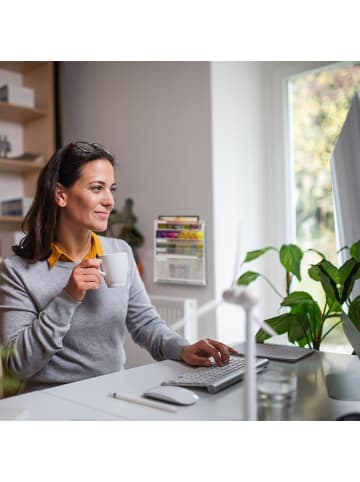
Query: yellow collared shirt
[58, 255]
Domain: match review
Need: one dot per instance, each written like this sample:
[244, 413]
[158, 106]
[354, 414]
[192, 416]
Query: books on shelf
[179, 243]
[15, 207]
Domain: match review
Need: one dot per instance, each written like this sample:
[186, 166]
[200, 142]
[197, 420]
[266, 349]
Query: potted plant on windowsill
[307, 323]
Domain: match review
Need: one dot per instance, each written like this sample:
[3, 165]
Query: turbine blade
[237, 255]
[205, 308]
[265, 326]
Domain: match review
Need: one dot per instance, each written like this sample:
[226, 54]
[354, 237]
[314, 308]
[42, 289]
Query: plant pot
[352, 333]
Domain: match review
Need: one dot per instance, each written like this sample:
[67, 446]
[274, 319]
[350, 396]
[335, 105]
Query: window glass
[319, 103]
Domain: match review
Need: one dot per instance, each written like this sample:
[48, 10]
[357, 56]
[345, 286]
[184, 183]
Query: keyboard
[215, 378]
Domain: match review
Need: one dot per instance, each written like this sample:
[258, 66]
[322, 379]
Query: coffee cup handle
[100, 271]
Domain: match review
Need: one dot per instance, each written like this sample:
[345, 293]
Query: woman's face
[89, 201]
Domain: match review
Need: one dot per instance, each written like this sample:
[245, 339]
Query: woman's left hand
[199, 353]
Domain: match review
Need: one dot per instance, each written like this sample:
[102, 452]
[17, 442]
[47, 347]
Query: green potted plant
[9, 384]
[307, 323]
[122, 224]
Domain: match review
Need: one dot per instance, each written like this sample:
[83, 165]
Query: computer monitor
[345, 172]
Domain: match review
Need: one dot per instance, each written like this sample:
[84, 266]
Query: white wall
[156, 118]
[196, 138]
[191, 138]
[239, 184]
[252, 172]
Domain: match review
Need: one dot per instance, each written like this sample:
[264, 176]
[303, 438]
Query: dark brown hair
[40, 222]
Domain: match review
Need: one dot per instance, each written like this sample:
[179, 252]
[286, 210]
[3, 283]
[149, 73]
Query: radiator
[170, 309]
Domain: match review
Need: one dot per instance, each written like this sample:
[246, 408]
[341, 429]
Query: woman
[59, 322]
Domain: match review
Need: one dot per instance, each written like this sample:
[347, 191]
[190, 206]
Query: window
[319, 102]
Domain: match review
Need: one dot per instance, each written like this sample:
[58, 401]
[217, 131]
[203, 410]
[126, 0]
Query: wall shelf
[12, 165]
[21, 67]
[18, 113]
[32, 130]
[35, 127]
[11, 219]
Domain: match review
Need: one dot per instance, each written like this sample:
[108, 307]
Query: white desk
[44, 406]
[91, 399]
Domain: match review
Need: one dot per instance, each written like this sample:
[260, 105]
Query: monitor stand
[343, 386]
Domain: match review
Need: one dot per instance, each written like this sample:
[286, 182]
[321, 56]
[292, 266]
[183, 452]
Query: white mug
[114, 268]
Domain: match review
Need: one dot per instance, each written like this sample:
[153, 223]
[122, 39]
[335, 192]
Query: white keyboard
[215, 378]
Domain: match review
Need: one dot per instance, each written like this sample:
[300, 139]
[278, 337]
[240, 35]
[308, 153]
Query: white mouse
[177, 395]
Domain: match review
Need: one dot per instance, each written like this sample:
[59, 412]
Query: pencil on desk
[145, 402]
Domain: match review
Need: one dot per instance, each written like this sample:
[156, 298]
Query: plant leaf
[355, 251]
[298, 298]
[251, 255]
[345, 270]
[248, 277]
[314, 272]
[348, 273]
[279, 323]
[303, 342]
[330, 270]
[307, 311]
[327, 273]
[298, 327]
[11, 383]
[334, 306]
[290, 257]
[354, 312]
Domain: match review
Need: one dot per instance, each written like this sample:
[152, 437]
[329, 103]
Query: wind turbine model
[241, 297]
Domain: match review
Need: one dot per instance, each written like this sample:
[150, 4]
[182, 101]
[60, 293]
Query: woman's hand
[84, 277]
[199, 353]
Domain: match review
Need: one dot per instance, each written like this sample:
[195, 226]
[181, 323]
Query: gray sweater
[52, 339]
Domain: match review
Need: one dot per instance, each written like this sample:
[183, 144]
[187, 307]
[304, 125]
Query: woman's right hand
[84, 277]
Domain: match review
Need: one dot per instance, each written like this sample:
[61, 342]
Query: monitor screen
[345, 172]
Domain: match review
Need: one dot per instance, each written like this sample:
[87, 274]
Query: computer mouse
[176, 395]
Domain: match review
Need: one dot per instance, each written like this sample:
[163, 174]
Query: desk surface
[91, 399]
